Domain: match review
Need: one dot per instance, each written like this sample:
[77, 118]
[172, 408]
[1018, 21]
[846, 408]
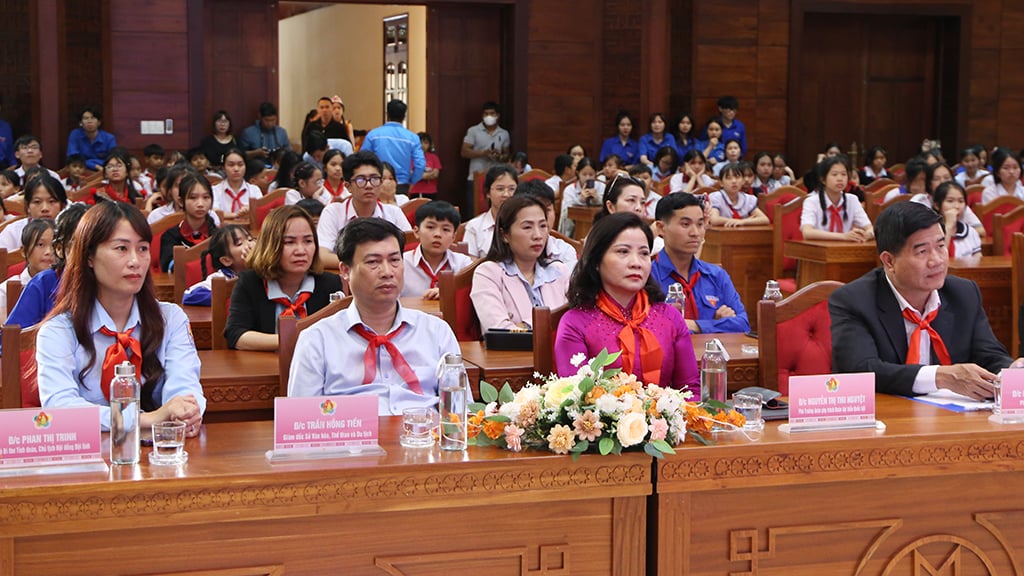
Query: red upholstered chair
[410, 207]
[1001, 205]
[1017, 288]
[288, 330]
[1005, 226]
[786, 226]
[260, 207]
[14, 205]
[220, 302]
[13, 293]
[19, 367]
[974, 192]
[455, 304]
[898, 172]
[410, 241]
[873, 210]
[159, 227]
[545, 325]
[12, 262]
[479, 196]
[780, 195]
[795, 336]
[188, 268]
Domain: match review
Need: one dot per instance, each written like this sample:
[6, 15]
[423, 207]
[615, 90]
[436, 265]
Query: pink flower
[588, 426]
[561, 439]
[514, 437]
[659, 429]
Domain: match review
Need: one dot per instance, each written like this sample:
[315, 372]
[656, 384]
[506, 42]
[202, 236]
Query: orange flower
[493, 429]
[474, 421]
[622, 390]
[697, 419]
[594, 394]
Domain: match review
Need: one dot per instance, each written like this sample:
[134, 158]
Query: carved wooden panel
[551, 560]
[247, 571]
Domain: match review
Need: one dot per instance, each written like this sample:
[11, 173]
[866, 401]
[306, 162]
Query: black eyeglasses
[361, 181]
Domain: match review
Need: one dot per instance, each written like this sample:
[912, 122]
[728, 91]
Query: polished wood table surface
[201, 320]
[163, 283]
[583, 216]
[746, 254]
[411, 511]
[239, 383]
[432, 307]
[994, 276]
[516, 367]
[831, 260]
[935, 489]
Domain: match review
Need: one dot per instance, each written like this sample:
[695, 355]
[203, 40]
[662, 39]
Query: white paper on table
[944, 398]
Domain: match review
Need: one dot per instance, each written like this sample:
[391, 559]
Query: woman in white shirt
[499, 185]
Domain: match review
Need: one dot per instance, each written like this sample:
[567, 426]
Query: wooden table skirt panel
[228, 511]
[746, 254]
[993, 274]
[937, 488]
[831, 260]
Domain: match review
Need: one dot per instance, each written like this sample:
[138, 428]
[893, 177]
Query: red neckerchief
[835, 220]
[430, 273]
[914, 349]
[118, 353]
[194, 236]
[236, 197]
[296, 309]
[348, 204]
[735, 213]
[374, 342]
[334, 193]
[109, 189]
[690, 308]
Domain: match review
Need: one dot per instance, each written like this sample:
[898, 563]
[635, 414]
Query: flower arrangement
[596, 406]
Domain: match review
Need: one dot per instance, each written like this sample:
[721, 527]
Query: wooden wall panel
[621, 66]
[16, 66]
[83, 69]
[150, 72]
[681, 58]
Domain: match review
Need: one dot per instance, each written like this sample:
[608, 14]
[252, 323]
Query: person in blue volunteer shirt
[398, 146]
[712, 303]
[621, 144]
[88, 141]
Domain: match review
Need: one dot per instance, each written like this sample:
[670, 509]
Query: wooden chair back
[188, 268]
[794, 336]
[873, 210]
[1005, 226]
[576, 244]
[19, 387]
[6, 223]
[545, 325]
[785, 226]
[1001, 205]
[974, 192]
[220, 303]
[898, 172]
[455, 303]
[460, 232]
[411, 241]
[1017, 289]
[159, 227]
[260, 207]
[535, 174]
[479, 196]
[15, 206]
[288, 330]
[780, 195]
[878, 184]
[11, 263]
[13, 293]
[705, 190]
[410, 207]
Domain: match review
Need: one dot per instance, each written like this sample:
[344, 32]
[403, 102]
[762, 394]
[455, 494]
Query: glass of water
[749, 405]
[168, 444]
[418, 427]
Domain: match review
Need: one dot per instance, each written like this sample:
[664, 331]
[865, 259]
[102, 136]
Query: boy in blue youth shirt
[712, 303]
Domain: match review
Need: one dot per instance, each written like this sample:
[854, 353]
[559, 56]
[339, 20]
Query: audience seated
[436, 222]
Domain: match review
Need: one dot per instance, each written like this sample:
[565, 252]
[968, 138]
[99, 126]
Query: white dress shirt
[337, 214]
[855, 215]
[417, 281]
[222, 202]
[924, 382]
[479, 234]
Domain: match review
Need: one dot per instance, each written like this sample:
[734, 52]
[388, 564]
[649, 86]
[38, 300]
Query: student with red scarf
[197, 199]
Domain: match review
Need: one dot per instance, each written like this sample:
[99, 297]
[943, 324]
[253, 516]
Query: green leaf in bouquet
[650, 449]
[475, 407]
[698, 438]
[506, 395]
[585, 386]
[664, 446]
[599, 361]
[609, 373]
[605, 445]
[617, 448]
[715, 406]
[498, 418]
[488, 393]
[581, 446]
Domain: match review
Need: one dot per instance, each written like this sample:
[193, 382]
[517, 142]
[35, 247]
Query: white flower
[669, 403]
[577, 359]
[538, 375]
[491, 409]
[632, 429]
[558, 391]
[511, 410]
[527, 393]
[608, 404]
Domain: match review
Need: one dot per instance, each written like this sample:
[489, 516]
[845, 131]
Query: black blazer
[868, 333]
[252, 310]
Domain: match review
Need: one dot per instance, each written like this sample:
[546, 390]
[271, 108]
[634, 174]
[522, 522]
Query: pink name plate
[1011, 397]
[831, 401]
[325, 425]
[50, 436]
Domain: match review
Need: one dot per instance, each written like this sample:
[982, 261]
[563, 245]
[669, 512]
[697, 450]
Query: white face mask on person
[490, 120]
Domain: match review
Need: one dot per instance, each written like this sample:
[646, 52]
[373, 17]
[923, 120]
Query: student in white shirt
[499, 185]
[587, 190]
[44, 198]
[363, 177]
[37, 247]
[962, 240]
[233, 194]
[1005, 176]
[309, 183]
[375, 346]
[436, 222]
[830, 213]
[730, 206]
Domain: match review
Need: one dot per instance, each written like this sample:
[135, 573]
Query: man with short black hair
[264, 137]
[914, 326]
[485, 145]
[397, 348]
[398, 146]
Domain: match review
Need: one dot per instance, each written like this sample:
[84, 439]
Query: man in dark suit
[908, 322]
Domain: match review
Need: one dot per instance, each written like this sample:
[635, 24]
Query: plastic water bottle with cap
[772, 291]
[453, 386]
[713, 384]
[676, 297]
[124, 415]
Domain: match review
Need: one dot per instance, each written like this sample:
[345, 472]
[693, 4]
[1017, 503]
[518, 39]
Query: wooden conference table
[994, 276]
[830, 260]
[412, 511]
[745, 253]
[935, 488]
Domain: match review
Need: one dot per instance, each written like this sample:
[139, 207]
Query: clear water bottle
[453, 385]
[124, 415]
[772, 291]
[713, 384]
[335, 296]
[676, 297]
